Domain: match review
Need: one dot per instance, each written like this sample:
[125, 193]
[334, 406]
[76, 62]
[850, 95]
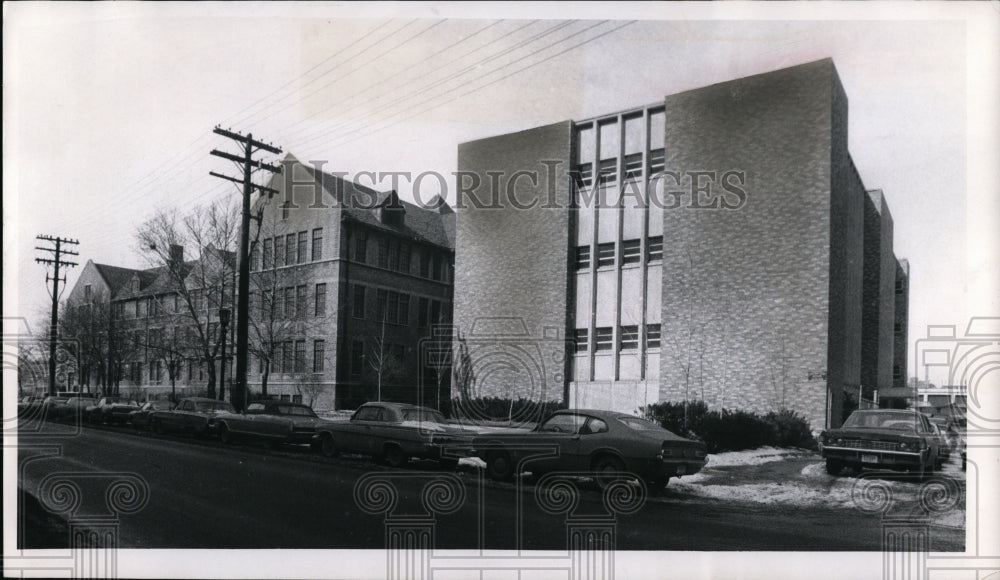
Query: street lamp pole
[223, 322]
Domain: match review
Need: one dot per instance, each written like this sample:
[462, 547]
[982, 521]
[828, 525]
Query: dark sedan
[192, 415]
[394, 433]
[142, 417]
[113, 410]
[604, 443]
[271, 421]
[882, 438]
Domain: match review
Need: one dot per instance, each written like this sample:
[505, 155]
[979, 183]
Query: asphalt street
[190, 493]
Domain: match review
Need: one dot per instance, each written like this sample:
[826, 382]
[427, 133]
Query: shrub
[732, 430]
[519, 410]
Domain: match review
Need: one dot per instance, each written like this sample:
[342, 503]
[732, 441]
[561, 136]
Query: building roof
[115, 277]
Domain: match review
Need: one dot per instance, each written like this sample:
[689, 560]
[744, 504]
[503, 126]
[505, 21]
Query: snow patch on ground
[753, 456]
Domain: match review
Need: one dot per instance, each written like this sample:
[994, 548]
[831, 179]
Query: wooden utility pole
[56, 261]
[238, 393]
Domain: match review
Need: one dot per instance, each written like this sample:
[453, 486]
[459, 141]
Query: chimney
[176, 254]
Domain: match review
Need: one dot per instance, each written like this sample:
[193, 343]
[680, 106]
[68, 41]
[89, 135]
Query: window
[279, 251]
[320, 307]
[254, 252]
[284, 210]
[300, 301]
[608, 171]
[602, 339]
[897, 373]
[286, 357]
[155, 370]
[897, 327]
[393, 255]
[633, 166]
[393, 313]
[300, 356]
[303, 248]
[268, 252]
[289, 249]
[383, 253]
[140, 308]
[594, 425]
[381, 297]
[652, 336]
[86, 292]
[422, 305]
[317, 248]
[357, 357]
[654, 249]
[629, 338]
[435, 311]
[899, 286]
[425, 263]
[656, 159]
[631, 252]
[584, 174]
[359, 301]
[319, 348]
[404, 258]
[290, 302]
[605, 255]
[361, 246]
[581, 338]
[582, 258]
[404, 309]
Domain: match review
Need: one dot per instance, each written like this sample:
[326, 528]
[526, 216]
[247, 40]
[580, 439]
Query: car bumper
[876, 458]
[674, 466]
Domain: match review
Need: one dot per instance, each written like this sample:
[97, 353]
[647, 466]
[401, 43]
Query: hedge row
[728, 430]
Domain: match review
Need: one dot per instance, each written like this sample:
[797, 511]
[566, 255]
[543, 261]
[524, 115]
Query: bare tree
[203, 285]
[384, 363]
[309, 388]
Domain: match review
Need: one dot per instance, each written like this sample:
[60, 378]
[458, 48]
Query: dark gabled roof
[361, 204]
[115, 277]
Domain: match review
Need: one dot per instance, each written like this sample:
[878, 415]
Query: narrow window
[319, 347]
[582, 258]
[602, 339]
[361, 246]
[317, 247]
[605, 255]
[289, 249]
[652, 336]
[300, 301]
[320, 307]
[300, 356]
[422, 306]
[654, 249]
[581, 339]
[359, 301]
[303, 247]
[629, 338]
[631, 252]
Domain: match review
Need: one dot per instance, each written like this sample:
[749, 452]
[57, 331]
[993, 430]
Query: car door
[352, 436]
[928, 434]
[559, 433]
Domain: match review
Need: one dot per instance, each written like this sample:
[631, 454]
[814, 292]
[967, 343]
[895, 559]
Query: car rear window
[638, 424]
[876, 420]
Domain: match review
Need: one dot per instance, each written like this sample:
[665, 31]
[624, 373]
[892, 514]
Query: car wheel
[499, 466]
[833, 466]
[393, 456]
[327, 446]
[607, 469]
[225, 435]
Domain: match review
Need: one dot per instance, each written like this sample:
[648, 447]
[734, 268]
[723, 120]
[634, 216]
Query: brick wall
[747, 293]
[512, 265]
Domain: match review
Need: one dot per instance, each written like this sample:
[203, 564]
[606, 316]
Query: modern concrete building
[709, 246]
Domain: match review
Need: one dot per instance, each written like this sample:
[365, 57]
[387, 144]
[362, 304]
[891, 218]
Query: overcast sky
[109, 107]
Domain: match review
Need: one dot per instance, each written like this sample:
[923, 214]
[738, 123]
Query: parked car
[141, 418]
[191, 415]
[29, 407]
[74, 409]
[54, 407]
[606, 443]
[949, 430]
[272, 421]
[112, 410]
[394, 433]
[882, 438]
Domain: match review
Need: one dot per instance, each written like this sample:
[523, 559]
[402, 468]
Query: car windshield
[877, 420]
[207, 407]
[161, 405]
[423, 416]
[638, 424]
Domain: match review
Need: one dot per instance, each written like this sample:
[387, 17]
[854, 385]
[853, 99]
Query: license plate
[681, 469]
[869, 458]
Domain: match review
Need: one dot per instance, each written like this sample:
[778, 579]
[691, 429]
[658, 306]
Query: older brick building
[345, 282]
[711, 246]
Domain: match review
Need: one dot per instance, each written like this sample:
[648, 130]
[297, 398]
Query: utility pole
[57, 262]
[250, 145]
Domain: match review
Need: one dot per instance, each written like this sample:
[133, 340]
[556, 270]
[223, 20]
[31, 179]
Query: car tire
[607, 470]
[327, 446]
[393, 456]
[834, 466]
[499, 466]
